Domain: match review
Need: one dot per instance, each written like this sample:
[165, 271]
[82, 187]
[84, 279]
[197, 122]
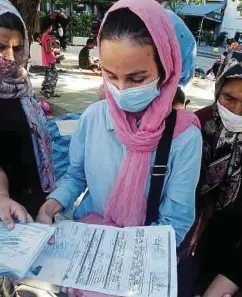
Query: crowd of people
[144, 67]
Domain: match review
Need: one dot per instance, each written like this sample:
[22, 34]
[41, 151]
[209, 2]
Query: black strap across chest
[160, 170]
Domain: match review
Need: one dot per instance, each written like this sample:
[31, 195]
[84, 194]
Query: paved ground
[78, 90]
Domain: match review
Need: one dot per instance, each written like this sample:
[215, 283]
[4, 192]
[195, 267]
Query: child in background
[49, 61]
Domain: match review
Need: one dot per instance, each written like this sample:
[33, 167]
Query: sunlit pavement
[78, 90]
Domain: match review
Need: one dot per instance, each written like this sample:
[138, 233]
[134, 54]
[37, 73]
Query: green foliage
[207, 37]
[239, 7]
[176, 5]
[65, 3]
[220, 40]
[81, 24]
[42, 15]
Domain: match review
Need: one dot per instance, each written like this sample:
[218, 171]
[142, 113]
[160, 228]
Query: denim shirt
[95, 158]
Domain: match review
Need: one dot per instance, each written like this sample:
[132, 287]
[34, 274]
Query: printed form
[21, 246]
[119, 261]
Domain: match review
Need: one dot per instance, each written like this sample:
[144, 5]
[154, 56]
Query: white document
[124, 262]
[21, 246]
[67, 127]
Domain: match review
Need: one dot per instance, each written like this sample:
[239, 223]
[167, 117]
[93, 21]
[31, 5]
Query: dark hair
[47, 23]
[90, 41]
[123, 23]
[10, 21]
[36, 36]
[179, 96]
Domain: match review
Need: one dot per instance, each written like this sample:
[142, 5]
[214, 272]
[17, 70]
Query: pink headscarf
[127, 203]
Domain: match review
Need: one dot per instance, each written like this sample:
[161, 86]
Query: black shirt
[17, 157]
[84, 58]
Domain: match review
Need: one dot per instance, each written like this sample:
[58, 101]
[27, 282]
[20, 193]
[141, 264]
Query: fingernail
[10, 226]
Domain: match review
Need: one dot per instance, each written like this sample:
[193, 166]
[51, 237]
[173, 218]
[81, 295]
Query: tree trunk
[28, 10]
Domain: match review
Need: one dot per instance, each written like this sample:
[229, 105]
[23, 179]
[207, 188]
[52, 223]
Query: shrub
[81, 24]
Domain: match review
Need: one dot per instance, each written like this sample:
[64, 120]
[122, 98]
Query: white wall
[229, 24]
[239, 24]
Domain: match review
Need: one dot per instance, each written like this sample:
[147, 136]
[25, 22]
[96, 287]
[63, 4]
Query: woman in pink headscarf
[114, 149]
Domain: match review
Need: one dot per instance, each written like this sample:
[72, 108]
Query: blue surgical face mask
[135, 99]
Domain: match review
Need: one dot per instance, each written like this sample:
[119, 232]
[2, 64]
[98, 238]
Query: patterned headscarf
[222, 148]
[18, 87]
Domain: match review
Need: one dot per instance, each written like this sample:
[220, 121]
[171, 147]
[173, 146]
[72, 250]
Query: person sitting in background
[85, 60]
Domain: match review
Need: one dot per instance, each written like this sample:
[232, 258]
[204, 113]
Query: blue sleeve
[74, 182]
[178, 200]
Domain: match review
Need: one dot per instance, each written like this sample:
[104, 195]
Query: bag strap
[160, 169]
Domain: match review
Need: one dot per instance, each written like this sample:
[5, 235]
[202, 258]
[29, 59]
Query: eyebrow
[18, 47]
[15, 47]
[229, 95]
[129, 74]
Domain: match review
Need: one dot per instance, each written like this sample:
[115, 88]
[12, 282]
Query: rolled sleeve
[74, 182]
[178, 200]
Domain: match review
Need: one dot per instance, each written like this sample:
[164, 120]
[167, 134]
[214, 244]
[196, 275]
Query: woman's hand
[48, 211]
[10, 210]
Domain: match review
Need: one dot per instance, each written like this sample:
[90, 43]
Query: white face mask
[231, 121]
[135, 99]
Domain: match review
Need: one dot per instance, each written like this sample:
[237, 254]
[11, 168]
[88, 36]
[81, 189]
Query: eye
[228, 98]
[18, 48]
[137, 80]
[2, 47]
[111, 78]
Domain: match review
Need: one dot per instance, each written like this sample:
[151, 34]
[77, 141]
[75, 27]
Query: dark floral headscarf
[222, 148]
[220, 181]
[18, 87]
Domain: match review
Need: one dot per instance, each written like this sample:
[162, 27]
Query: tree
[28, 10]
[239, 6]
[176, 5]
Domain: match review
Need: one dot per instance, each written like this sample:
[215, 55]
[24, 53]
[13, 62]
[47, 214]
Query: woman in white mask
[114, 148]
[218, 228]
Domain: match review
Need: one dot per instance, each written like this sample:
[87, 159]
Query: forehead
[8, 36]
[124, 55]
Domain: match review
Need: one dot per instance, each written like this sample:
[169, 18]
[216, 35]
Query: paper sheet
[124, 262]
[20, 247]
[67, 127]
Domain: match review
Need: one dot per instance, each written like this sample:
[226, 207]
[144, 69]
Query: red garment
[47, 58]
